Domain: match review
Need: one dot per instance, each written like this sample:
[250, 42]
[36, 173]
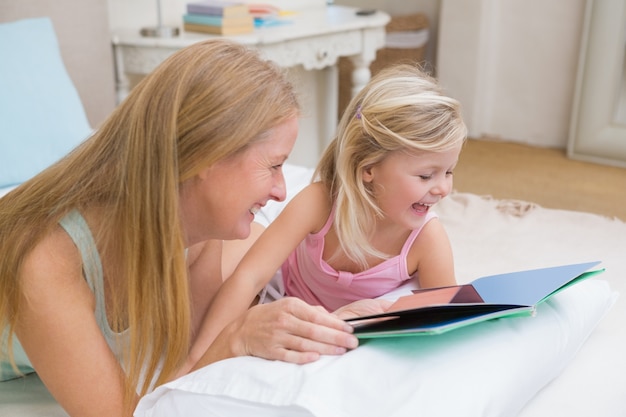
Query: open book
[438, 310]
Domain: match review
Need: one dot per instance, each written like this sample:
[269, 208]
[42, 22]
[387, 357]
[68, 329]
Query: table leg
[122, 84]
[373, 39]
[361, 73]
[328, 115]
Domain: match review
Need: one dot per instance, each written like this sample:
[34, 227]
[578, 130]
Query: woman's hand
[362, 308]
[288, 329]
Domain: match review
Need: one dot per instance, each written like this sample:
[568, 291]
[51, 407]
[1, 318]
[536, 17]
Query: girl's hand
[362, 308]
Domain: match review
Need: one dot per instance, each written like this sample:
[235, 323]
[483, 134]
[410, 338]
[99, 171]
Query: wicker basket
[385, 56]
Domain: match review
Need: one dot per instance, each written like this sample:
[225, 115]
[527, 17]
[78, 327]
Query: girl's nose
[443, 186]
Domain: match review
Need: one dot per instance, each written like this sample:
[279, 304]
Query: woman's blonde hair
[203, 104]
[401, 108]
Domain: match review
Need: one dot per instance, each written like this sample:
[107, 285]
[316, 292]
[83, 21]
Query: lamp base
[160, 32]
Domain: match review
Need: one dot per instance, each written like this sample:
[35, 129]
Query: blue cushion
[41, 115]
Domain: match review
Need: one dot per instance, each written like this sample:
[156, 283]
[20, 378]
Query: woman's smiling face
[221, 201]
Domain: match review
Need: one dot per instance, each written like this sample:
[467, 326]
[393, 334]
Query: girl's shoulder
[312, 204]
[315, 194]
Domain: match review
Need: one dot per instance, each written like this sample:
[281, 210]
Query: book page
[436, 296]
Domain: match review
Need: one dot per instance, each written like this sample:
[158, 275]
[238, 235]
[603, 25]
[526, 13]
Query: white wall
[512, 64]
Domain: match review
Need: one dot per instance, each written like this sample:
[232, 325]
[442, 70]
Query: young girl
[367, 225]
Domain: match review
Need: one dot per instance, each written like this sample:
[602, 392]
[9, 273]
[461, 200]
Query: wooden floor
[506, 170]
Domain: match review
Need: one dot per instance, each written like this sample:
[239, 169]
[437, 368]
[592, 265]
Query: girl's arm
[306, 213]
[58, 330]
[431, 256]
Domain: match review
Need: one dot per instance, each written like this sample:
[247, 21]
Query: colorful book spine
[199, 19]
[218, 30]
[218, 8]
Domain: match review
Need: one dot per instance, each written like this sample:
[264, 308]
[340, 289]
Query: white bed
[529, 367]
[556, 363]
[567, 360]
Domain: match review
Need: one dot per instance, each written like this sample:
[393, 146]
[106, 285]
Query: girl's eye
[450, 173]
[425, 177]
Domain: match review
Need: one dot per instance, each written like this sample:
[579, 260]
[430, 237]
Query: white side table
[315, 39]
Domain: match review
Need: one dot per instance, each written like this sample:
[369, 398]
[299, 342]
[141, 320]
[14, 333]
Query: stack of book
[219, 17]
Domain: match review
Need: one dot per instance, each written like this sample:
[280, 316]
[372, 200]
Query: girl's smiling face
[407, 184]
[221, 201]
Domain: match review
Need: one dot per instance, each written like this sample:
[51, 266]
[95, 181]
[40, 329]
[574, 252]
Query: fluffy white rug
[492, 236]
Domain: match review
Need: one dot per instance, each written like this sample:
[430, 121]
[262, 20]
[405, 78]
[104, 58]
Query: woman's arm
[431, 256]
[288, 329]
[306, 213]
[58, 330]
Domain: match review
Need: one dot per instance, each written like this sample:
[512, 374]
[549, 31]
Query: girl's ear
[367, 175]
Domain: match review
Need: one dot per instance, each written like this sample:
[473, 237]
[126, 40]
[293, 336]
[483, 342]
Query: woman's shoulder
[54, 259]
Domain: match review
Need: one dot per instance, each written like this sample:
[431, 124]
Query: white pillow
[489, 369]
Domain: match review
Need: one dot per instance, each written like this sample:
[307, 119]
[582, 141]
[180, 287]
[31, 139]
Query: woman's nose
[279, 189]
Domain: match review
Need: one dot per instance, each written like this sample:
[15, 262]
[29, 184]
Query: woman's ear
[204, 173]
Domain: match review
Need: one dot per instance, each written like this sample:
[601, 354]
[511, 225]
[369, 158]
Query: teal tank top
[78, 230]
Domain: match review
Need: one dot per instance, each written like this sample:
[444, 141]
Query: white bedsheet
[486, 370]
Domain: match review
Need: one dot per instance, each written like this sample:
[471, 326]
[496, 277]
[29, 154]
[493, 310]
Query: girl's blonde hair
[401, 108]
[203, 104]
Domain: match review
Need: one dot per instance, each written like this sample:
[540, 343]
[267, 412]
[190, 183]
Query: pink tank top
[307, 276]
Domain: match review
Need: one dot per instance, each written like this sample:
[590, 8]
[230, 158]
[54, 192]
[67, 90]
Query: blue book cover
[438, 310]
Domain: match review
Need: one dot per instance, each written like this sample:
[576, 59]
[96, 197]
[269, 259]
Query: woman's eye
[275, 167]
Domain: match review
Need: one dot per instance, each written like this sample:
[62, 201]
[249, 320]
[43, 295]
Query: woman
[117, 247]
